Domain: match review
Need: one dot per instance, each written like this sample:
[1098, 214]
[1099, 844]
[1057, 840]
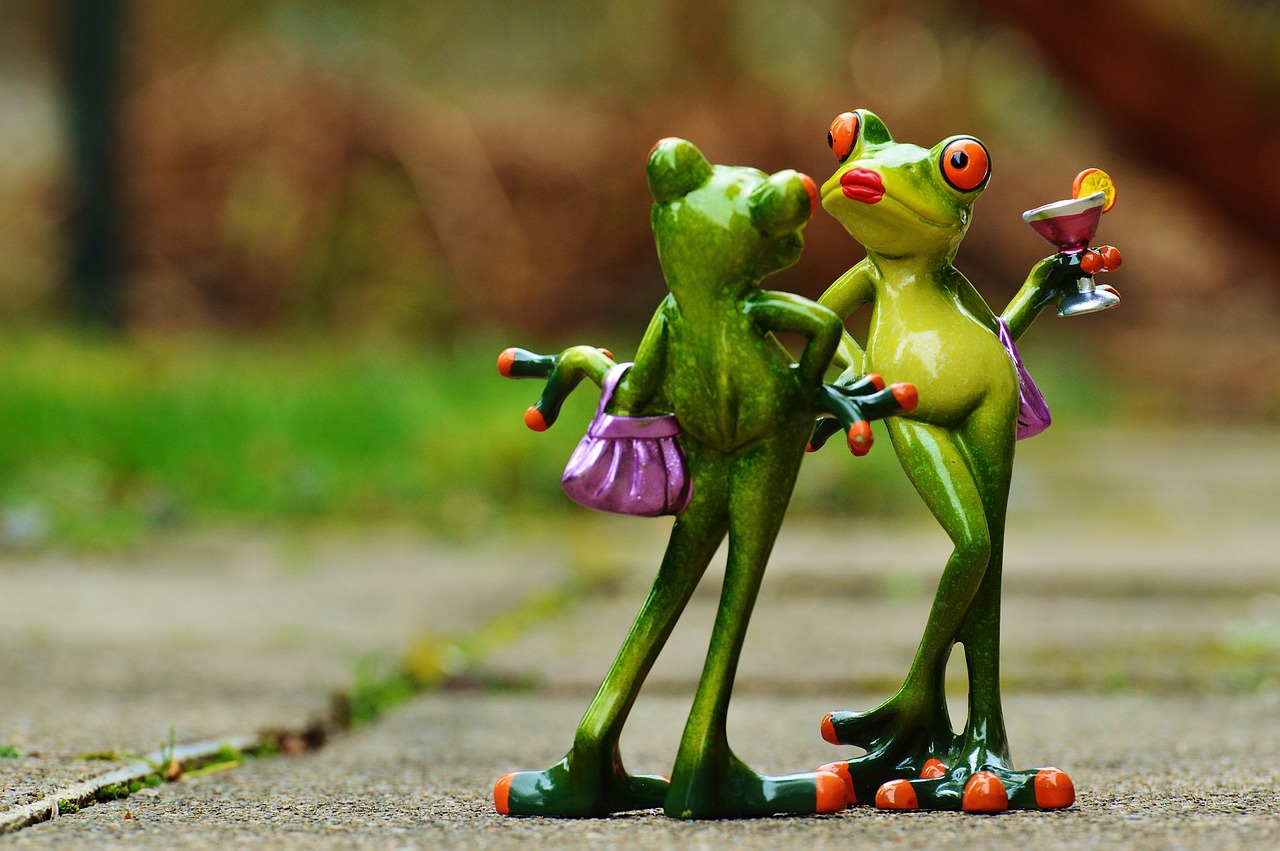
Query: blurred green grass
[105, 441]
[102, 441]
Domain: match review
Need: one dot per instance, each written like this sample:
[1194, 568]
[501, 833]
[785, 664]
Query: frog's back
[719, 230]
[733, 383]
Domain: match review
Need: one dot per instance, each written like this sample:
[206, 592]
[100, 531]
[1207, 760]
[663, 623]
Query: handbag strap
[610, 384]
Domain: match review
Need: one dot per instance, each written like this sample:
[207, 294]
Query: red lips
[862, 184]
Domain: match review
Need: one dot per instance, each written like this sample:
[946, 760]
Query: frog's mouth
[866, 185]
[862, 184]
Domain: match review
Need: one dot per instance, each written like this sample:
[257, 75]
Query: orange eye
[965, 164]
[843, 135]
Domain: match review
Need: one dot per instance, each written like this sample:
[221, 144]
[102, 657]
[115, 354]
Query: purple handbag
[628, 465]
[1033, 410]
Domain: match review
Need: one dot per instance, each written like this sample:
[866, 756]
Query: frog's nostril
[811, 188]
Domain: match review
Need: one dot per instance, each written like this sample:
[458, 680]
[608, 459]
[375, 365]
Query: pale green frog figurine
[910, 207]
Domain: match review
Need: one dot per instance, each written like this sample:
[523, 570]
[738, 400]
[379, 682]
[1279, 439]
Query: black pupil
[831, 140]
[959, 159]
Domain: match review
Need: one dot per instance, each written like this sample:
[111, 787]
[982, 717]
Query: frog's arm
[851, 290]
[563, 372]
[788, 313]
[642, 391]
[1045, 284]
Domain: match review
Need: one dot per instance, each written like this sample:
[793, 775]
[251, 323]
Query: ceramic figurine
[710, 370]
[910, 207]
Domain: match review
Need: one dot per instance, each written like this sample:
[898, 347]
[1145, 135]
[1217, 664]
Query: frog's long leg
[709, 781]
[983, 747]
[913, 726]
[591, 780]
[964, 478]
[978, 775]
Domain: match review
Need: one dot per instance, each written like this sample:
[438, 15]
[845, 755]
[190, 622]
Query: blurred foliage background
[257, 256]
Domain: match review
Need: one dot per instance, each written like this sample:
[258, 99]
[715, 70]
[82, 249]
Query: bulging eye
[843, 135]
[965, 164]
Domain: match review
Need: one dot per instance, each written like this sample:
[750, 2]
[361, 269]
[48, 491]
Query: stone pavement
[1142, 654]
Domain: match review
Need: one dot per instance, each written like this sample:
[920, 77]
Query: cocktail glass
[1070, 225]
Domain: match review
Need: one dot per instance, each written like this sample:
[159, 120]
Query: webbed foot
[567, 791]
[991, 789]
[900, 743]
[735, 791]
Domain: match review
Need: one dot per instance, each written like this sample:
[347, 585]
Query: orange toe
[505, 360]
[984, 793]
[533, 419]
[831, 793]
[502, 793]
[897, 795]
[933, 769]
[829, 730]
[907, 396]
[841, 770]
[876, 380]
[860, 438]
[1054, 789]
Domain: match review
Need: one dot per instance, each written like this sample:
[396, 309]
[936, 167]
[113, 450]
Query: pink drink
[1070, 225]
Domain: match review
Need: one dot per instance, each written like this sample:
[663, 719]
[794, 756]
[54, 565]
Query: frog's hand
[853, 385]
[563, 373]
[854, 407]
[898, 398]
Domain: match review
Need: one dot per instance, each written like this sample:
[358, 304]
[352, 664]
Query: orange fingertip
[1091, 263]
[808, 447]
[608, 354]
[907, 395]
[877, 380]
[831, 796]
[897, 795]
[984, 793]
[502, 794]
[829, 730]
[1111, 258]
[933, 769]
[841, 770]
[1054, 789]
[505, 360]
[860, 438]
[533, 419]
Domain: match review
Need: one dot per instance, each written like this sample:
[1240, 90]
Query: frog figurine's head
[902, 200]
[720, 229]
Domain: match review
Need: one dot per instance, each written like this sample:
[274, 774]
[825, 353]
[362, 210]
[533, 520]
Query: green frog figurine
[745, 410]
[910, 207]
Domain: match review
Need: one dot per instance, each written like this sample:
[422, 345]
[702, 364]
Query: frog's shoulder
[970, 299]
[853, 289]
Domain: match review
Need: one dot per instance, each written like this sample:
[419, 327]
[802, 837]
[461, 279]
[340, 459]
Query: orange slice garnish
[1093, 180]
